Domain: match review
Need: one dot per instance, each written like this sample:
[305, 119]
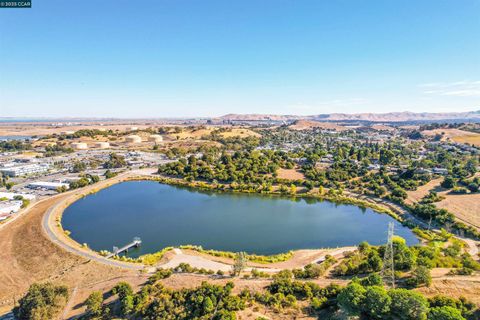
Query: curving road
[47, 227]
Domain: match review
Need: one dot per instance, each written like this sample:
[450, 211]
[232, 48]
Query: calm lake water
[164, 215]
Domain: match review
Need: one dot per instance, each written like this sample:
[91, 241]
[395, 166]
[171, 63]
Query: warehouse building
[47, 185]
[21, 170]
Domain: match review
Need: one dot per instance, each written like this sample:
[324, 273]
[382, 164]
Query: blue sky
[170, 58]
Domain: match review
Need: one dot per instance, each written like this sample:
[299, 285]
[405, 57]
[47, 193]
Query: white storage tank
[133, 139]
[79, 145]
[155, 138]
[101, 145]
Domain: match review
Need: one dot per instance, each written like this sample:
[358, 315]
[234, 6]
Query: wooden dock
[134, 244]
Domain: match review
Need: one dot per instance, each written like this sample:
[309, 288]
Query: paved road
[47, 227]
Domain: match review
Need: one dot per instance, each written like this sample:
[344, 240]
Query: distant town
[423, 176]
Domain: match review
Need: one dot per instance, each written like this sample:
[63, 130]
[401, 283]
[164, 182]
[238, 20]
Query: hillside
[373, 117]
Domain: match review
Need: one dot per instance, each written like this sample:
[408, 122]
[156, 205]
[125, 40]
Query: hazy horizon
[168, 59]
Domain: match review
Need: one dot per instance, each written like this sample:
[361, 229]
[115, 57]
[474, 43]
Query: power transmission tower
[388, 272]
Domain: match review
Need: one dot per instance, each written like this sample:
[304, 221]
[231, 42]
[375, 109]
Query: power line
[388, 271]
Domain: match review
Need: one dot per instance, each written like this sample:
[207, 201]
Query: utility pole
[388, 271]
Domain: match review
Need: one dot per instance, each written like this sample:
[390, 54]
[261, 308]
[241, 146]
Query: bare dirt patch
[290, 174]
[468, 287]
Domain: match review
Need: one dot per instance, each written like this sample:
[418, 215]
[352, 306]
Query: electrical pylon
[388, 272]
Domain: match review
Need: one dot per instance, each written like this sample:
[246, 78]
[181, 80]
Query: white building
[15, 170]
[47, 185]
[12, 195]
[8, 207]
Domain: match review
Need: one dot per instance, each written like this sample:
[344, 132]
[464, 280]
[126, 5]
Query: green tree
[421, 276]
[408, 305]
[377, 302]
[94, 304]
[125, 295]
[445, 313]
[449, 182]
[240, 263]
[352, 298]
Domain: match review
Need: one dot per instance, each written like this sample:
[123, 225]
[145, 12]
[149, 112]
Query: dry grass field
[27, 256]
[198, 133]
[240, 132]
[456, 135]
[465, 207]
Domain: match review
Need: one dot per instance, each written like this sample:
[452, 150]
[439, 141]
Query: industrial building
[8, 207]
[47, 185]
[13, 170]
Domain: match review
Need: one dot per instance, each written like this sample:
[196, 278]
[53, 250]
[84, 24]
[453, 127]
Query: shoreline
[55, 214]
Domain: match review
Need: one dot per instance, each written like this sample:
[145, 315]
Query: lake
[163, 215]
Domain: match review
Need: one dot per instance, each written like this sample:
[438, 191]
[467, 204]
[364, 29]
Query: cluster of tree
[240, 167]
[365, 297]
[79, 166]
[376, 302]
[14, 145]
[417, 260]
[154, 301]
[115, 161]
[461, 185]
[4, 182]
[313, 271]
[41, 302]
[91, 133]
[56, 149]
[85, 180]
[109, 174]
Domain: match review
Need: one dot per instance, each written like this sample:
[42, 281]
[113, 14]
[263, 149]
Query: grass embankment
[251, 257]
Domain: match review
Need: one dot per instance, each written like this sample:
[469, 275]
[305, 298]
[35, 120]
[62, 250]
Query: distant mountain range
[368, 117]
